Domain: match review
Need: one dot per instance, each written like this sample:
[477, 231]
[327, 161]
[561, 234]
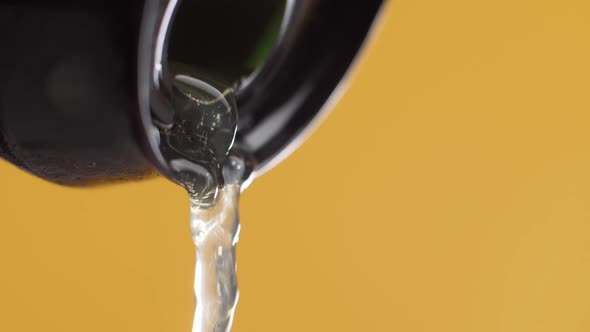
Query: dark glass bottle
[83, 83]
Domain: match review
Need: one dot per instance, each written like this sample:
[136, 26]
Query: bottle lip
[282, 101]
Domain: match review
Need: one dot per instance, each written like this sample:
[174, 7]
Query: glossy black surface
[319, 45]
[68, 89]
[76, 89]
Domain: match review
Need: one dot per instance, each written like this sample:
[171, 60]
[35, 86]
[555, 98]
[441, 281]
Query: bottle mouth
[227, 43]
[284, 60]
[224, 42]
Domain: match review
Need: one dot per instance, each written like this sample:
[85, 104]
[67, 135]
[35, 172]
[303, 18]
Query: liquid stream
[199, 148]
[215, 232]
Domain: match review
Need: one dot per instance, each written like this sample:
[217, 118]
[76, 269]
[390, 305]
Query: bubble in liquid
[201, 135]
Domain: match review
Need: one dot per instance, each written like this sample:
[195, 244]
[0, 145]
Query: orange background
[448, 191]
